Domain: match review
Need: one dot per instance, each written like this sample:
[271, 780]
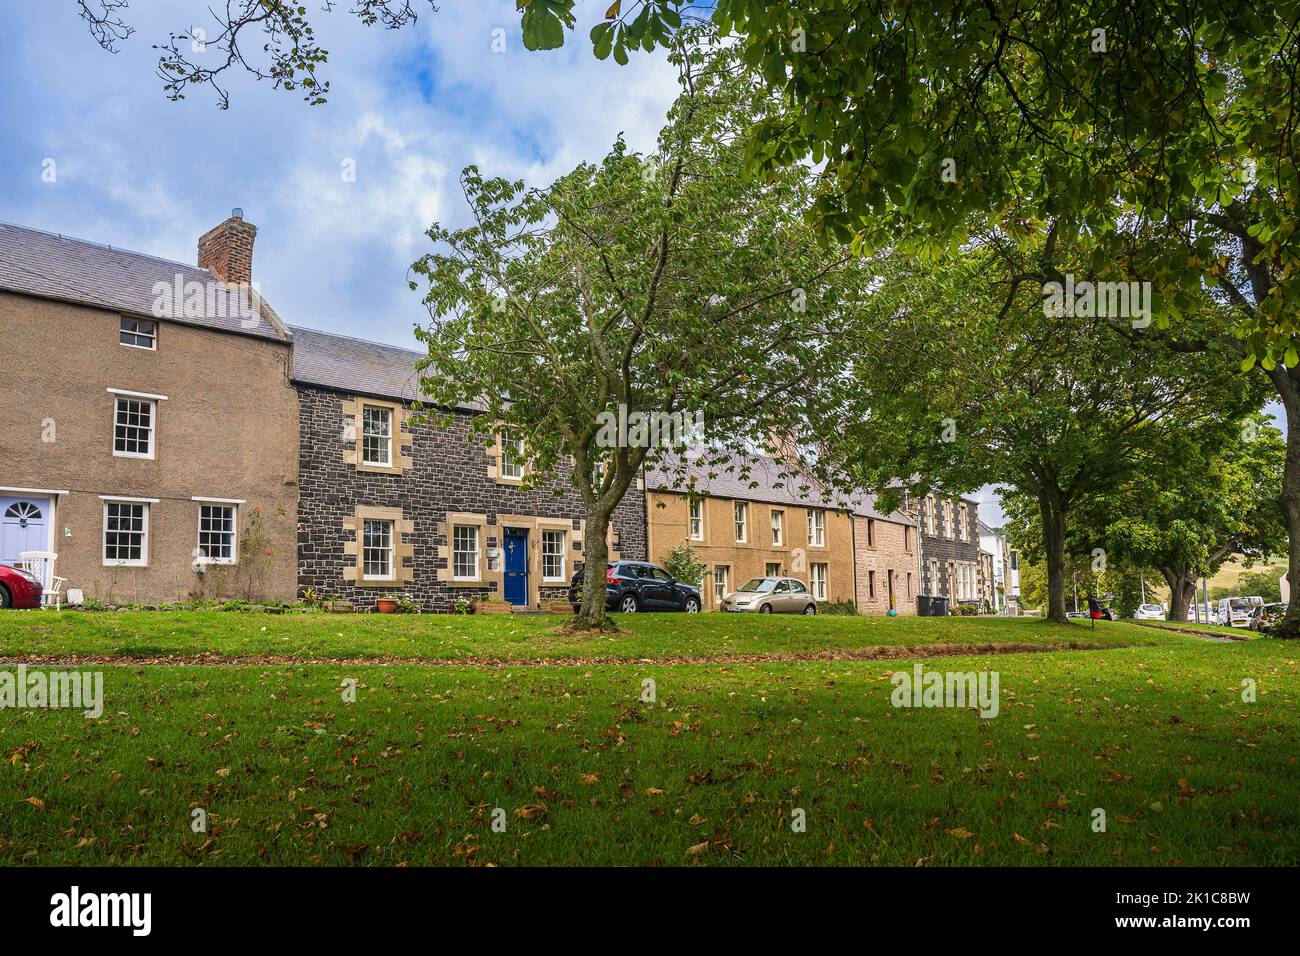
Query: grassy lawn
[1240, 633]
[154, 634]
[709, 774]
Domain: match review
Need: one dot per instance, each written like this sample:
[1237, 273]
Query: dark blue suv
[632, 586]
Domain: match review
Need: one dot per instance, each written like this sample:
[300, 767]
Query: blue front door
[516, 566]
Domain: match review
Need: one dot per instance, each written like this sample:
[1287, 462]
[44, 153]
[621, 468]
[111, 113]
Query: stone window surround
[493, 580]
[403, 548]
[401, 439]
[494, 466]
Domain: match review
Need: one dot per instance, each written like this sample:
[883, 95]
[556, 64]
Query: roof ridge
[103, 245]
[352, 338]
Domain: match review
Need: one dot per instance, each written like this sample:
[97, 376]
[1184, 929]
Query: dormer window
[139, 334]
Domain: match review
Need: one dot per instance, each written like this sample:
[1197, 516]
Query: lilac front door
[24, 526]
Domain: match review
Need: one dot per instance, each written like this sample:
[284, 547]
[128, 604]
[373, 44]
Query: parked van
[1237, 611]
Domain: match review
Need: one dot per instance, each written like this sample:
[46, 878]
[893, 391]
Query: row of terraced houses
[179, 418]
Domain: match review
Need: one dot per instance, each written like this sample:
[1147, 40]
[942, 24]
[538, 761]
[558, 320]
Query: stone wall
[448, 474]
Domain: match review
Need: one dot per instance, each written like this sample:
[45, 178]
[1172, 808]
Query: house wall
[447, 478]
[667, 514]
[894, 549]
[228, 429]
[948, 551]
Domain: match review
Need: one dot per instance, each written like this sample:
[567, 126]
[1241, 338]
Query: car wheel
[628, 605]
[765, 609]
[810, 609]
[5, 600]
[692, 606]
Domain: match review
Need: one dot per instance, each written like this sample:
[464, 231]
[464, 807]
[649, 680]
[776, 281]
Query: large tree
[670, 284]
[958, 383]
[1224, 508]
[1161, 134]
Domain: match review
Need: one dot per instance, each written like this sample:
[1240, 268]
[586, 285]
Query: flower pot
[386, 605]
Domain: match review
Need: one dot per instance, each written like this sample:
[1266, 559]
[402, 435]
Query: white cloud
[411, 107]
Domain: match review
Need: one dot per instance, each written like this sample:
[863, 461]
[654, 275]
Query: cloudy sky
[408, 110]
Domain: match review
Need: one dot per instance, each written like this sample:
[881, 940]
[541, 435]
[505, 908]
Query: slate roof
[47, 265]
[357, 366]
[719, 482]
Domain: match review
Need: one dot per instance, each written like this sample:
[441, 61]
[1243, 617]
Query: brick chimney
[227, 250]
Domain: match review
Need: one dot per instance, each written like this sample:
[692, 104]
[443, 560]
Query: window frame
[816, 523]
[695, 522]
[145, 509]
[233, 508]
[152, 337]
[477, 552]
[778, 527]
[504, 439]
[154, 403]
[818, 586]
[740, 521]
[387, 410]
[721, 584]
[561, 554]
[390, 550]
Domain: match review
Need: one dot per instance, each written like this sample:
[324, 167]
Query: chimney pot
[227, 250]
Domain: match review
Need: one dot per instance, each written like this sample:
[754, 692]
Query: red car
[18, 588]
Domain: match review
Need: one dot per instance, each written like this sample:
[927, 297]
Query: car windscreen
[761, 585]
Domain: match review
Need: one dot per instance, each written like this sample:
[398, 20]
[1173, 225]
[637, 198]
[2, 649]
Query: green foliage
[963, 379]
[1265, 584]
[838, 608]
[670, 284]
[685, 566]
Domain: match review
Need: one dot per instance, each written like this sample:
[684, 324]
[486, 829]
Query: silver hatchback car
[771, 596]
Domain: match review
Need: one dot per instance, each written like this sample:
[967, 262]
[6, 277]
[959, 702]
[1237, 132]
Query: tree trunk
[1290, 626]
[1054, 552]
[595, 550]
[1182, 588]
